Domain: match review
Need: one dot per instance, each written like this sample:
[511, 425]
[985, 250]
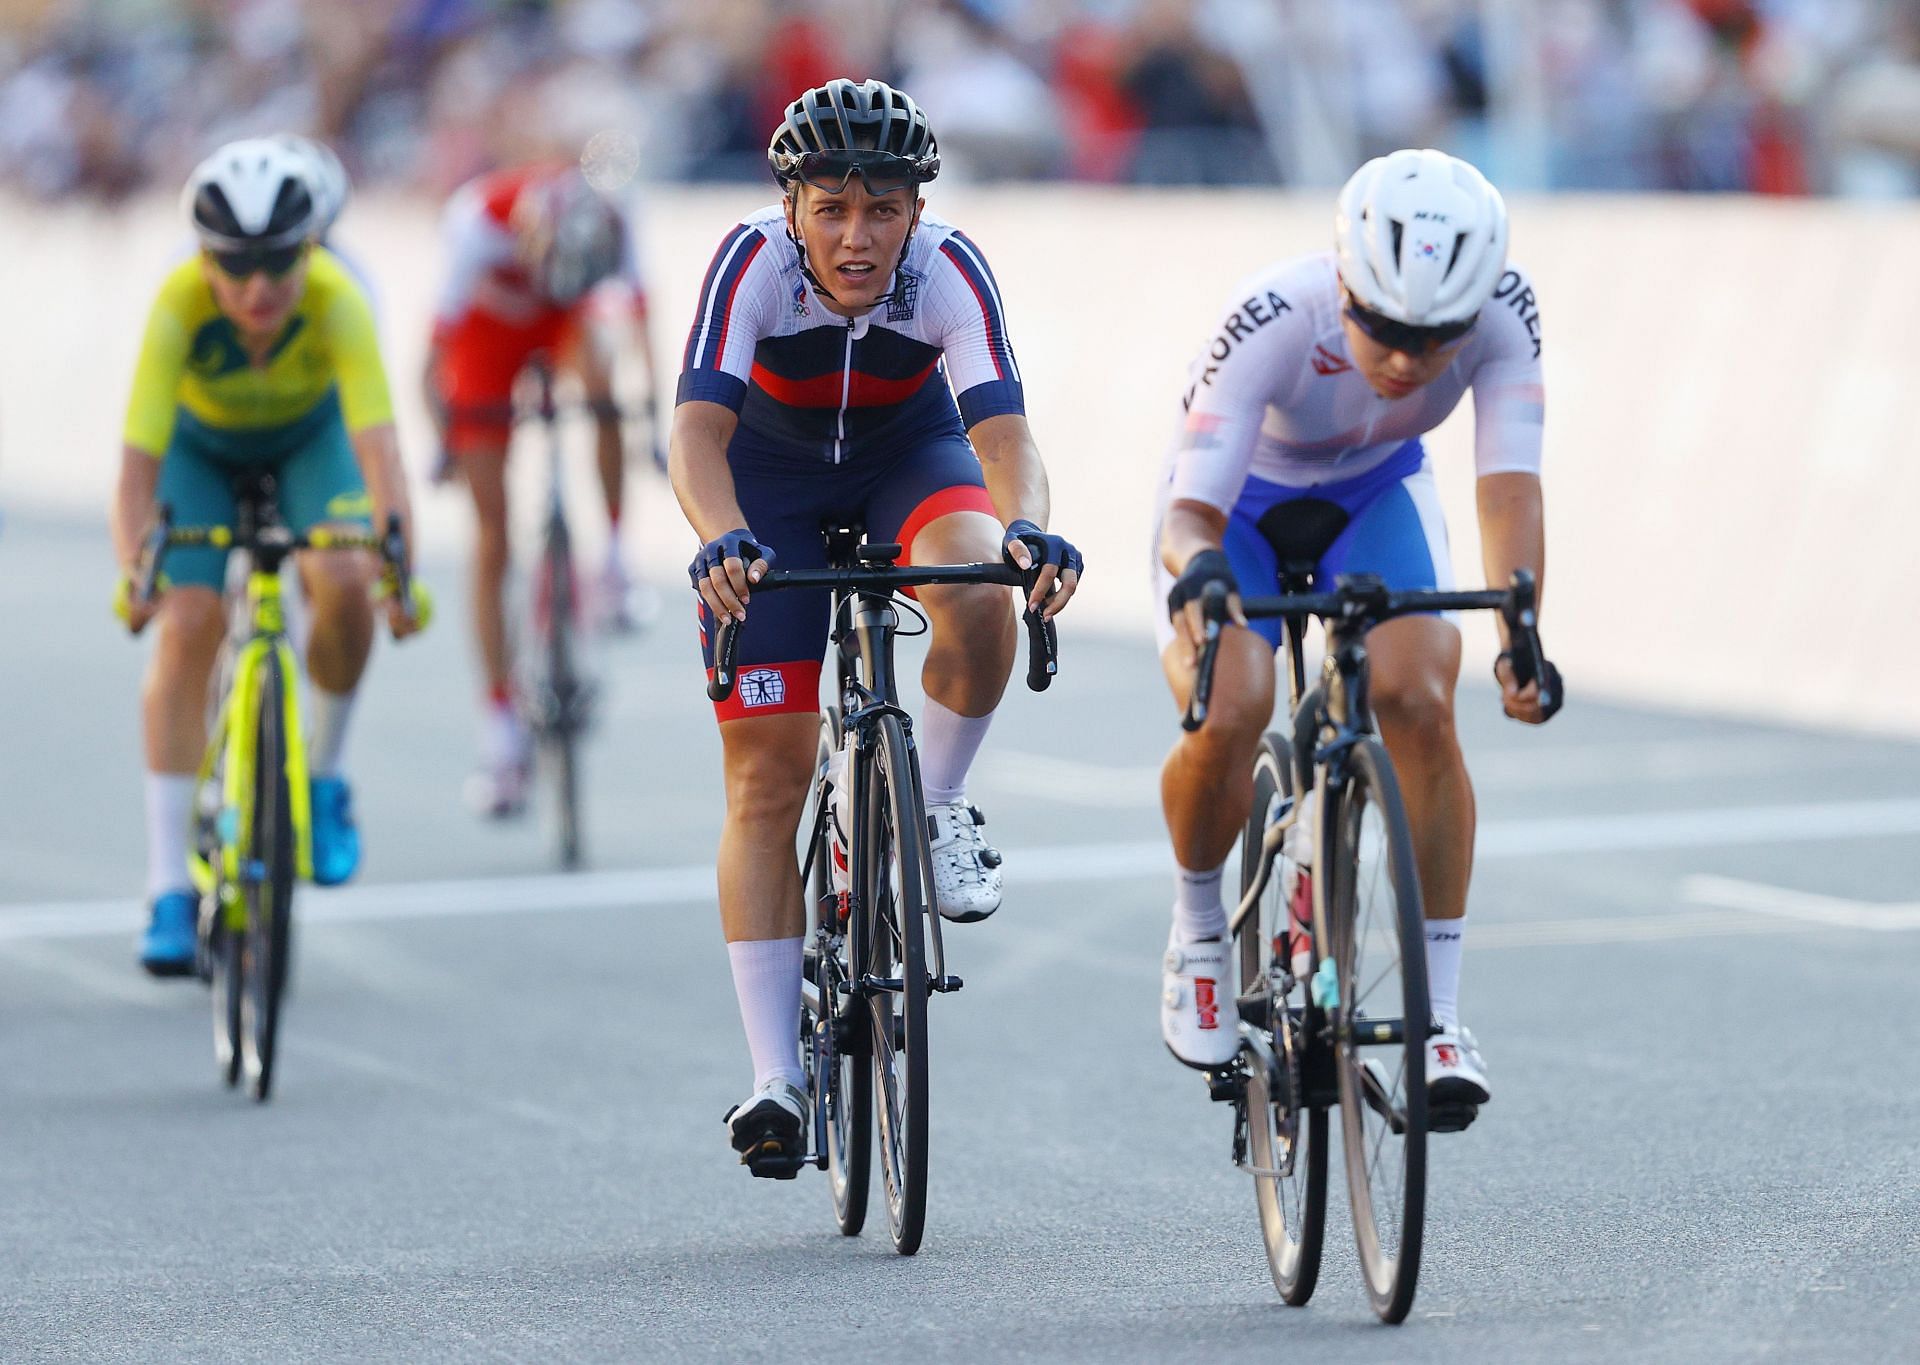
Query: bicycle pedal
[1451, 1118]
[1228, 1085]
[777, 1164]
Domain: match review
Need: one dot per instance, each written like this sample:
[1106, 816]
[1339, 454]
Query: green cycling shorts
[311, 457]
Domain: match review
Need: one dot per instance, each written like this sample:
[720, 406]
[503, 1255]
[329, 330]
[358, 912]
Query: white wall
[1726, 431]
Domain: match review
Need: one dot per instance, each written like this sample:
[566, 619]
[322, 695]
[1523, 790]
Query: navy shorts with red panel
[893, 496]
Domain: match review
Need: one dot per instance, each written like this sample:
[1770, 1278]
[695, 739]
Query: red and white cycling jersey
[1275, 393]
[485, 275]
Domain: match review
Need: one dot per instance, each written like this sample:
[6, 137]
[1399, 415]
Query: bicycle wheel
[898, 874]
[562, 703]
[225, 958]
[266, 882]
[1380, 1034]
[846, 1078]
[1284, 1134]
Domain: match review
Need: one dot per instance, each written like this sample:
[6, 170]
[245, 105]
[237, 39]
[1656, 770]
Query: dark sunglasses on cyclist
[244, 264]
[1401, 336]
[880, 172]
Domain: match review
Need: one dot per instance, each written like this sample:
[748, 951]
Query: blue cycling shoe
[336, 842]
[168, 946]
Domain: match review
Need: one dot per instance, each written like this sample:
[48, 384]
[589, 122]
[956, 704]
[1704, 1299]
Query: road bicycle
[874, 952]
[1354, 1031]
[252, 833]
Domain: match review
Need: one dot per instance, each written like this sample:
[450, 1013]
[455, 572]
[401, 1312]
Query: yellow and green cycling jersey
[192, 361]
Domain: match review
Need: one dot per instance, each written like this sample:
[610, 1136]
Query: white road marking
[1805, 907]
[1062, 863]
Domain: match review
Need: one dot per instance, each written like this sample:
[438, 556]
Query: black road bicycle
[873, 953]
[1353, 1033]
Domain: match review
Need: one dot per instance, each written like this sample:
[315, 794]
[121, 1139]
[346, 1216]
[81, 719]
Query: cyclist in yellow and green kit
[260, 354]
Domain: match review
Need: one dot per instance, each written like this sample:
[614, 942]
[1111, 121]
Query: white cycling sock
[1443, 970]
[1197, 910]
[948, 742]
[169, 807]
[327, 745]
[766, 978]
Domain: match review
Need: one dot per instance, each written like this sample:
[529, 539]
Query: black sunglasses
[1402, 336]
[276, 261]
[880, 172]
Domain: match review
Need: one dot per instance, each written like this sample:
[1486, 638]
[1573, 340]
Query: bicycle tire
[848, 1102]
[1385, 1178]
[562, 734]
[228, 986]
[898, 873]
[267, 884]
[1282, 1131]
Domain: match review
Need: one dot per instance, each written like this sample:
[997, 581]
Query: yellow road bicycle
[252, 834]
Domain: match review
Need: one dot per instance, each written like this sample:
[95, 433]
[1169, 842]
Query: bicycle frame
[233, 735]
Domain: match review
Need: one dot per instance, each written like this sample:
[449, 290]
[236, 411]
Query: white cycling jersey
[1275, 393]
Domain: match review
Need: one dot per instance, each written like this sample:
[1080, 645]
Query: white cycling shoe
[769, 1129]
[1456, 1081]
[966, 868]
[498, 789]
[1199, 1012]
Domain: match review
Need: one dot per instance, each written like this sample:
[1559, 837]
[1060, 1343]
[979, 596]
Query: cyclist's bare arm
[430, 388]
[132, 510]
[1017, 483]
[1512, 536]
[1190, 527]
[377, 450]
[697, 467]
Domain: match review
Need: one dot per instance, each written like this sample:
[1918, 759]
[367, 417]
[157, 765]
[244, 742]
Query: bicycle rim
[847, 1081]
[1380, 954]
[228, 987]
[267, 885]
[896, 907]
[1283, 1134]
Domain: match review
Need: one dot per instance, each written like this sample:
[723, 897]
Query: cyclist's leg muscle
[1415, 664]
[1206, 784]
[485, 467]
[321, 485]
[768, 763]
[174, 701]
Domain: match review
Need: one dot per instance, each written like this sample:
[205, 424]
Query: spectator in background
[1197, 122]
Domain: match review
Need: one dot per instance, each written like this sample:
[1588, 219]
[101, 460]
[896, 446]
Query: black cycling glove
[737, 544]
[1209, 566]
[1550, 686]
[1046, 548]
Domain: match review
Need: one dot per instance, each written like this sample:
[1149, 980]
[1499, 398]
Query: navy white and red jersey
[485, 273]
[1275, 394]
[834, 388]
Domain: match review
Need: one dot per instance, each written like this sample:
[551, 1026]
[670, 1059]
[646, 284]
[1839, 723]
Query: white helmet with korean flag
[1422, 238]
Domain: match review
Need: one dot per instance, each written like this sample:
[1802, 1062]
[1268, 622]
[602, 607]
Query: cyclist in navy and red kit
[833, 333]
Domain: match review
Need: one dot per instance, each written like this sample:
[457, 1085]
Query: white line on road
[1806, 907]
[629, 888]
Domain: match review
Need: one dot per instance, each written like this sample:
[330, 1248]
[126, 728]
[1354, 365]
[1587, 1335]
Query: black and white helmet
[844, 117]
[327, 179]
[255, 194]
[1422, 238]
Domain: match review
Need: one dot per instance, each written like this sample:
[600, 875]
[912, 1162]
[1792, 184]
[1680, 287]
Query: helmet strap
[806, 266]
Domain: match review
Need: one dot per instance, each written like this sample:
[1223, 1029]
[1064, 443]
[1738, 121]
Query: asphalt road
[1691, 961]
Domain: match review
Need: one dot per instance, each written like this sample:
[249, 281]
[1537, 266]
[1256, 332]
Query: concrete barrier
[1726, 436]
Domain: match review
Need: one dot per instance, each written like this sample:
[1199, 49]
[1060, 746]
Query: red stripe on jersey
[960, 497]
[824, 390]
[726, 309]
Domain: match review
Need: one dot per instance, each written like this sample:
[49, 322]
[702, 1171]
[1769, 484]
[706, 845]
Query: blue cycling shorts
[1395, 529]
[311, 458]
[784, 642]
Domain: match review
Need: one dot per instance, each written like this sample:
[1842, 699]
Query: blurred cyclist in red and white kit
[540, 264]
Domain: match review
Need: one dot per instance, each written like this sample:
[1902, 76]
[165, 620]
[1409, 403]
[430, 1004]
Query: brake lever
[1213, 606]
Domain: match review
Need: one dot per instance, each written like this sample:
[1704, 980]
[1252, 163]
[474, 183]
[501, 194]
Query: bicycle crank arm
[1376, 1032]
[1375, 1094]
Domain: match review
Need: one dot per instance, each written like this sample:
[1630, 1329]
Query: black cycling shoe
[769, 1131]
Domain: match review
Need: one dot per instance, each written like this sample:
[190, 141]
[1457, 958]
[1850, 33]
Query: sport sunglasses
[880, 172]
[242, 264]
[1401, 336]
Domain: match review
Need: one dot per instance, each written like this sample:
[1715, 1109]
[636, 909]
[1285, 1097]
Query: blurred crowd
[101, 97]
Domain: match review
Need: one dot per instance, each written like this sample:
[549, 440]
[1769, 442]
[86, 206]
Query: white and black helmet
[1422, 238]
[327, 179]
[253, 195]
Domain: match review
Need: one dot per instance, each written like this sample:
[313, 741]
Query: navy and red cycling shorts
[787, 501]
